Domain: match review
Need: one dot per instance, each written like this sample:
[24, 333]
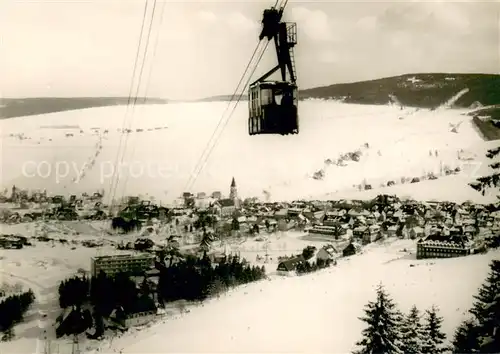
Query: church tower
[233, 193]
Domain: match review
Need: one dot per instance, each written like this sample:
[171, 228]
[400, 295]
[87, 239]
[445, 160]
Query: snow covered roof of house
[281, 212]
[290, 264]
[242, 219]
[224, 203]
[330, 249]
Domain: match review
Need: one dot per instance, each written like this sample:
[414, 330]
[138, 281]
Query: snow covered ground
[312, 313]
[160, 158]
[316, 313]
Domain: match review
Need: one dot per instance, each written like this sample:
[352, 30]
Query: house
[331, 218]
[470, 231]
[443, 246]
[285, 225]
[217, 195]
[225, 207]
[349, 250]
[296, 208]
[360, 231]
[12, 241]
[372, 233]
[326, 253]
[289, 265]
[281, 214]
[336, 232]
[415, 232]
[392, 230]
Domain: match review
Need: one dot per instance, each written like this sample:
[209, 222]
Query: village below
[79, 271]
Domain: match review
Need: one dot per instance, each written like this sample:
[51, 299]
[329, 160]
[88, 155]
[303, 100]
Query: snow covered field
[167, 141]
[312, 313]
[317, 313]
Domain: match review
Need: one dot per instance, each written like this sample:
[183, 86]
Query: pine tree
[486, 310]
[465, 340]
[492, 181]
[434, 337]
[412, 332]
[382, 335]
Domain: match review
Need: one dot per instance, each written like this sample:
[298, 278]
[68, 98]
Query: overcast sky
[88, 48]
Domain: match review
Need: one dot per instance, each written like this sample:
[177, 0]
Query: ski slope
[75, 151]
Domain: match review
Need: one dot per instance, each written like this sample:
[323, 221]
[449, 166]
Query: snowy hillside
[166, 142]
[316, 313]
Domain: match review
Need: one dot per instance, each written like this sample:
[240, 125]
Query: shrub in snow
[382, 335]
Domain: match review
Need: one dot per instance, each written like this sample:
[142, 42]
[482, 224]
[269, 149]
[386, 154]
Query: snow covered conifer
[465, 339]
[434, 337]
[484, 183]
[486, 310]
[412, 332]
[382, 335]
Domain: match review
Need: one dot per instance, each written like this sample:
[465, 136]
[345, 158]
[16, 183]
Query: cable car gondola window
[252, 102]
[266, 96]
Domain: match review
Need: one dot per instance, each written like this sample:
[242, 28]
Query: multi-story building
[443, 246]
[130, 263]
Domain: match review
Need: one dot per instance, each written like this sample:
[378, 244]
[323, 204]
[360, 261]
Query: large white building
[133, 263]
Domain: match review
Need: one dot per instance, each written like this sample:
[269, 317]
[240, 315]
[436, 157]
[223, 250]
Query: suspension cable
[225, 111]
[199, 169]
[136, 93]
[128, 102]
[228, 119]
[138, 87]
[155, 47]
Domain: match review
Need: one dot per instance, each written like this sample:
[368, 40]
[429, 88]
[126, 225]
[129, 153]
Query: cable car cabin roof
[273, 84]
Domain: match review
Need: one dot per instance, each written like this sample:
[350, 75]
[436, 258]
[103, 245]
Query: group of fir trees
[481, 332]
[73, 292]
[195, 279]
[307, 267]
[105, 294]
[12, 310]
[389, 331]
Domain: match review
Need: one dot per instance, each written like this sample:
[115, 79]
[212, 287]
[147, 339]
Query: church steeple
[233, 191]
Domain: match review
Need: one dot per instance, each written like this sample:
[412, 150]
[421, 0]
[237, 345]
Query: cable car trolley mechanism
[273, 104]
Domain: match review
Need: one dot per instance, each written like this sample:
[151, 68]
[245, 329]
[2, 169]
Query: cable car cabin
[273, 108]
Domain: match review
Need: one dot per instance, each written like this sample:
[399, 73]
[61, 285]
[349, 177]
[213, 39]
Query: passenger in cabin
[287, 104]
[287, 100]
